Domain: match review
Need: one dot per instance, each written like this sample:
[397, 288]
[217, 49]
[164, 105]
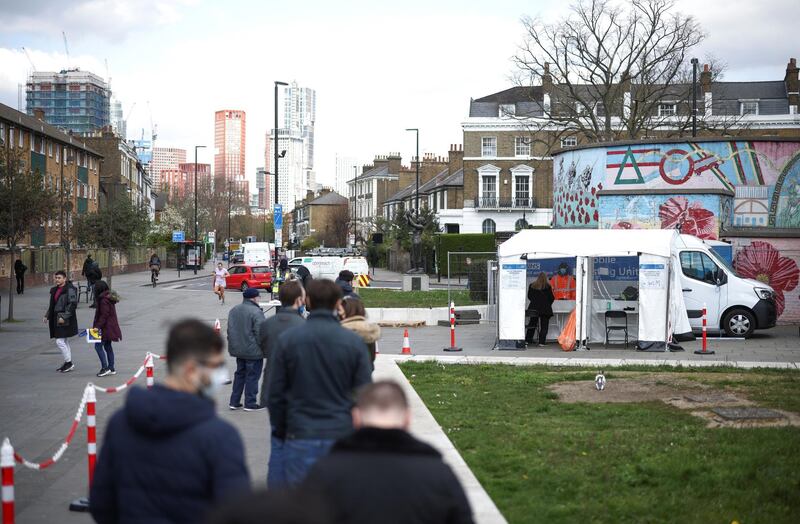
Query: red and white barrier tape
[91, 432]
[127, 383]
[64, 445]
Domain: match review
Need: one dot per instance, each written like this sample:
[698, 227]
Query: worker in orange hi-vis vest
[563, 283]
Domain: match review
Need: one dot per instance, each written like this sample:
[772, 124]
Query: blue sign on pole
[278, 216]
[178, 236]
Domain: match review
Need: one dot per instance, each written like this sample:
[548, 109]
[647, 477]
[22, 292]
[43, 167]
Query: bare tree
[606, 69]
[337, 226]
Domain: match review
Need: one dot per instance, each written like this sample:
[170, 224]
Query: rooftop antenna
[66, 47]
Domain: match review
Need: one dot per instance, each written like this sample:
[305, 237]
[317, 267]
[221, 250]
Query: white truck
[330, 266]
[258, 253]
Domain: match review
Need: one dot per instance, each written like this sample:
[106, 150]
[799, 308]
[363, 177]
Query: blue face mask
[562, 271]
[301, 309]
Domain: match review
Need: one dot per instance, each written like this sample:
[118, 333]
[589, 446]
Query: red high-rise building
[229, 152]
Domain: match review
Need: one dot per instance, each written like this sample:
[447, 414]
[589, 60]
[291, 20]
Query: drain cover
[747, 413]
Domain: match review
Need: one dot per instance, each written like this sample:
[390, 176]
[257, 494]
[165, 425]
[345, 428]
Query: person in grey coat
[244, 327]
[292, 297]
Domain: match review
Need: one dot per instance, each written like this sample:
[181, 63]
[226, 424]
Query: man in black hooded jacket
[381, 473]
[166, 456]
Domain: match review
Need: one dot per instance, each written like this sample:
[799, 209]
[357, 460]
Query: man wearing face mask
[292, 297]
[563, 284]
[166, 456]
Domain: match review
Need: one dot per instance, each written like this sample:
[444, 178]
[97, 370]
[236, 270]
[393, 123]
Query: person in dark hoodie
[19, 272]
[345, 281]
[380, 473]
[166, 456]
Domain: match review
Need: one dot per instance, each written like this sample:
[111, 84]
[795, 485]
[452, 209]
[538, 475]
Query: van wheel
[244, 287]
[739, 323]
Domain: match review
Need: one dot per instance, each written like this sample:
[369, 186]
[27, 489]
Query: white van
[257, 253]
[735, 305]
[329, 267]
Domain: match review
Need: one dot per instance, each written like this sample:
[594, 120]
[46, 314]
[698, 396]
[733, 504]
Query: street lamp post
[694, 97]
[197, 260]
[276, 156]
[229, 221]
[416, 197]
[355, 197]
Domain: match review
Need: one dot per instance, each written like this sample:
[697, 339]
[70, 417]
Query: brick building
[71, 167]
[324, 215]
[230, 140]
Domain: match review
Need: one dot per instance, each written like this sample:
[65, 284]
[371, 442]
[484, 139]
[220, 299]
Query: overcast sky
[377, 69]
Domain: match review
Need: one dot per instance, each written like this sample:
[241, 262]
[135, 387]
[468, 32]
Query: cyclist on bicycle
[155, 265]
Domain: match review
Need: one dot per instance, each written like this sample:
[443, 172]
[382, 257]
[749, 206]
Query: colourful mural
[706, 188]
[691, 214]
[762, 176]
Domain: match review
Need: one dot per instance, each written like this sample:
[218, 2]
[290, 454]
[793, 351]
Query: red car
[243, 276]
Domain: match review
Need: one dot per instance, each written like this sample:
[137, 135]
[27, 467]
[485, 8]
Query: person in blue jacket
[166, 455]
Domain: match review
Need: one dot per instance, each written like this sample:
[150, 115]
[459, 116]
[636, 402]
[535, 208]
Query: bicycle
[154, 275]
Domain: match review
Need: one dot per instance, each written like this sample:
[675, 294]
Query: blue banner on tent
[605, 268]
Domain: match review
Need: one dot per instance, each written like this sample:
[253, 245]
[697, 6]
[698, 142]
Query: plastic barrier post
[7, 467]
[149, 369]
[705, 350]
[82, 504]
[452, 329]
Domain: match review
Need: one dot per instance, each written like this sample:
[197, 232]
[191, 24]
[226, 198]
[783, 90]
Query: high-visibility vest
[563, 287]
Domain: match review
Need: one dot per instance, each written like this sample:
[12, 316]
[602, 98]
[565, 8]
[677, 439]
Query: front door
[699, 282]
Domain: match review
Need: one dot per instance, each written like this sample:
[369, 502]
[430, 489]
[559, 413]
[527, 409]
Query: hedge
[454, 243]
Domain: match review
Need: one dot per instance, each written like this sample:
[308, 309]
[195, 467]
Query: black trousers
[540, 324]
[20, 283]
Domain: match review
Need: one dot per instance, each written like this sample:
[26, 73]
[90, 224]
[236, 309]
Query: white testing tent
[662, 313]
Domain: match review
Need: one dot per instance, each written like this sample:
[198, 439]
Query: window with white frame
[21, 138]
[443, 199]
[507, 110]
[489, 226]
[667, 109]
[569, 141]
[2, 133]
[11, 136]
[489, 146]
[487, 187]
[522, 146]
[522, 180]
[49, 149]
[748, 107]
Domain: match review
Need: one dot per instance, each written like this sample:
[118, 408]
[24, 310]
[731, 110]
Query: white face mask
[218, 378]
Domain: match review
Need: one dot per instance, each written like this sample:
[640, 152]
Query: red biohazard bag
[567, 337]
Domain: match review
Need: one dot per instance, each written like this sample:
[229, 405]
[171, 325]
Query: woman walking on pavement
[220, 274]
[61, 317]
[541, 308]
[105, 319]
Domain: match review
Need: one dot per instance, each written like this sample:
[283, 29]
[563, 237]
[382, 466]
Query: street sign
[278, 216]
[352, 239]
[278, 237]
[212, 237]
[178, 236]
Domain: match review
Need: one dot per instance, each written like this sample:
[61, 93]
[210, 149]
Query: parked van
[738, 306]
[329, 267]
[257, 253]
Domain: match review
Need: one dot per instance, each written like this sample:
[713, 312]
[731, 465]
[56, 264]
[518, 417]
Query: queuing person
[540, 309]
[314, 370]
[354, 318]
[345, 281]
[292, 297]
[305, 275]
[563, 283]
[244, 333]
[61, 317]
[220, 274]
[105, 319]
[296, 506]
[166, 455]
[19, 272]
[380, 473]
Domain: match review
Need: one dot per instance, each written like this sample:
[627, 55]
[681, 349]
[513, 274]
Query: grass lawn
[393, 298]
[542, 460]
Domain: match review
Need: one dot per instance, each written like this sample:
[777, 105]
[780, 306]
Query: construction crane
[153, 127]
[27, 54]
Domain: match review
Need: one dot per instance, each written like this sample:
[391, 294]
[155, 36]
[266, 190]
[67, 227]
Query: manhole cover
[710, 398]
[747, 413]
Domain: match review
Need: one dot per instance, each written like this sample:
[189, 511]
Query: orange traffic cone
[406, 344]
[217, 326]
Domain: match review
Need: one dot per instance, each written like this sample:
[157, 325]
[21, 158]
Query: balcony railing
[488, 202]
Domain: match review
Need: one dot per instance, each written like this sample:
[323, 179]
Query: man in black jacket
[61, 317]
[314, 370]
[292, 297]
[166, 456]
[345, 281]
[381, 473]
[19, 272]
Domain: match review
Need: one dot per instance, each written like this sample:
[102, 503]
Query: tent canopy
[549, 243]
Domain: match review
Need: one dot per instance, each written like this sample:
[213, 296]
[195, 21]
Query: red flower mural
[761, 261]
[691, 219]
[625, 225]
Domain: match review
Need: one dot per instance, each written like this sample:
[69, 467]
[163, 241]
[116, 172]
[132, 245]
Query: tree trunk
[110, 266]
[11, 282]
